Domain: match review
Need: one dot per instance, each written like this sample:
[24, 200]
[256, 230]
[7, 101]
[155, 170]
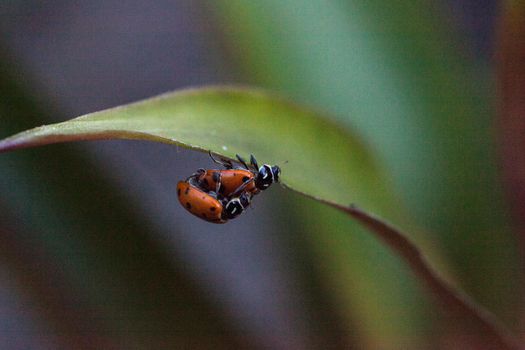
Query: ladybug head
[235, 206]
[232, 209]
[266, 176]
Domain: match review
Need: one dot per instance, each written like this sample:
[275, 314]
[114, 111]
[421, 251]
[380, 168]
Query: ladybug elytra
[232, 180]
[199, 203]
[207, 206]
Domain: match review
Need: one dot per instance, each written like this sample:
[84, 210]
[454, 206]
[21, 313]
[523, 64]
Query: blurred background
[95, 252]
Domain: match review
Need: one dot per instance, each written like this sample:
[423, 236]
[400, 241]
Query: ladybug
[234, 180]
[208, 206]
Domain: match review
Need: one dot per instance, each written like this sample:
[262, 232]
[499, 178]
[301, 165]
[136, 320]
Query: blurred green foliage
[395, 72]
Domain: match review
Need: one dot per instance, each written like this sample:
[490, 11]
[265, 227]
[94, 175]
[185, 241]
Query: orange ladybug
[233, 181]
[207, 206]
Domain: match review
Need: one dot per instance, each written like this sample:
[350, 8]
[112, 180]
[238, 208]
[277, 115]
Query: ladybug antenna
[241, 188]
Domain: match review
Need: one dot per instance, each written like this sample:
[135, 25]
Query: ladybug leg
[213, 158]
[242, 161]
[241, 188]
[218, 182]
[225, 163]
[199, 172]
[196, 174]
[253, 162]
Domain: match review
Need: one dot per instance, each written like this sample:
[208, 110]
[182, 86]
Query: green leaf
[317, 156]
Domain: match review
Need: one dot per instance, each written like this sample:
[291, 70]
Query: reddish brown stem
[475, 318]
[510, 64]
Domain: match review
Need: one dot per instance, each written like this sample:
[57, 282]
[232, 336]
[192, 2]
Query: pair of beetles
[221, 195]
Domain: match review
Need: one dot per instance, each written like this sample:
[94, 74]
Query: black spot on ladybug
[178, 192]
[188, 205]
[215, 176]
[213, 209]
[234, 174]
[187, 190]
[245, 178]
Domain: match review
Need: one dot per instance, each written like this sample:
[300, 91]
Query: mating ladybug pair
[221, 195]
